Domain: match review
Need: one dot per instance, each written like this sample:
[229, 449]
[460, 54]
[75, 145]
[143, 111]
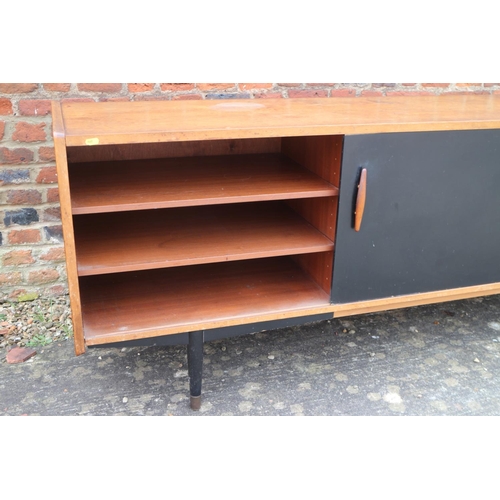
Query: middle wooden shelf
[149, 239]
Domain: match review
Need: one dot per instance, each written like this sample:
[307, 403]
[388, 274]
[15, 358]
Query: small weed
[68, 331]
[39, 340]
[3, 317]
[39, 316]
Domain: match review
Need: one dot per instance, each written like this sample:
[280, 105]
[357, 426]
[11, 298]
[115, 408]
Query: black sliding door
[431, 219]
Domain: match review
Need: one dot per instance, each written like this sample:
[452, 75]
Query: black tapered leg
[195, 367]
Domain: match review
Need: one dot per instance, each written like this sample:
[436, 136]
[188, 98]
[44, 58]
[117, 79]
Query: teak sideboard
[188, 221]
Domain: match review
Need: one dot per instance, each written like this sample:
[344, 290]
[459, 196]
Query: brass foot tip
[195, 402]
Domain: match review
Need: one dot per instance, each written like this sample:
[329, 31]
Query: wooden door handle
[360, 200]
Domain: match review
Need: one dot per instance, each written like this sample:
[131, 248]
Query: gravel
[35, 323]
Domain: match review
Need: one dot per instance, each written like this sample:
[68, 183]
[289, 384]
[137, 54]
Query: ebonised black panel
[432, 214]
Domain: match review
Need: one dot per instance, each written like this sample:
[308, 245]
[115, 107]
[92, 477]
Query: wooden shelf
[118, 242]
[128, 306]
[176, 182]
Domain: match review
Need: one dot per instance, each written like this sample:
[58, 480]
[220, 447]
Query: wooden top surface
[158, 121]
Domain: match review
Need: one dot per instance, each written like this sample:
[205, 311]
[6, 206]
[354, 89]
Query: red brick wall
[31, 244]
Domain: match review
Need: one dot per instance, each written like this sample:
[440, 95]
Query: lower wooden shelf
[128, 306]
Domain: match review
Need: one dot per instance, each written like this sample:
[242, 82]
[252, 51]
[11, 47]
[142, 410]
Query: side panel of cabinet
[431, 218]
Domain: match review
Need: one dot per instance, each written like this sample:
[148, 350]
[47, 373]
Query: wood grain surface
[128, 306]
[164, 121]
[67, 225]
[128, 241]
[176, 182]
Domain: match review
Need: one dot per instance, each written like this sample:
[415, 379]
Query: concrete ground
[442, 359]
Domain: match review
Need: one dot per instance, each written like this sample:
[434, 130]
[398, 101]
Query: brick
[320, 84]
[358, 85]
[468, 84]
[211, 87]
[43, 276]
[491, 84]
[16, 293]
[6, 107]
[9, 279]
[408, 92]
[289, 85]
[438, 85]
[47, 175]
[46, 153]
[17, 88]
[34, 107]
[19, 355]
[54, 255]
[176, 87]
[56, 290]
[341, 93]
[140, 87]
[20, 236]
[54, 234]
[466, 92]
[57, 87]
[17, 258]
[227, 96]
[307, 93]
[16, 155]
[22, 217]
[372, 93]
[14, 176]
[149, 97]
[52, 214]
[53, 195]
[255, 86]
[187, 97]
[2, 129]
[99, 87]
[114, 99]
[29, 132]
[78, 99]
[24, 197]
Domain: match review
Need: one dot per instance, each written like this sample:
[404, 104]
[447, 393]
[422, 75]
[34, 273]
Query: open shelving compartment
[181, 236]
